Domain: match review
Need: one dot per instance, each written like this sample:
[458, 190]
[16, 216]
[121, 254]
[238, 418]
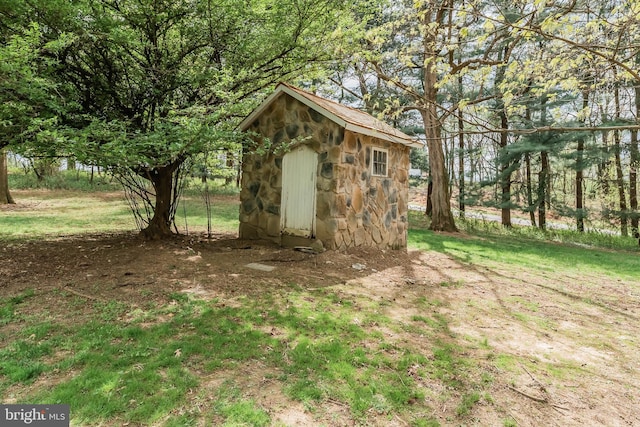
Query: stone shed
[331, 173]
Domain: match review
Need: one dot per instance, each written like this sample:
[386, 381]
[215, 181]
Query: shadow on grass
[145, 369]
[549, 256]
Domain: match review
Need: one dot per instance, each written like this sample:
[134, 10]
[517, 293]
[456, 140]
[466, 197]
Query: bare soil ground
[562, 349]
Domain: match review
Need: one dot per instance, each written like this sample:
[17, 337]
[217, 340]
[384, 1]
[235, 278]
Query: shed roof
[347, 117]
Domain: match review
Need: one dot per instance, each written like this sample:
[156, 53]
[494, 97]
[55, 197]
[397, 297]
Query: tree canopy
[155, 82]
[500, 77]
[518, 92]
[30, 102]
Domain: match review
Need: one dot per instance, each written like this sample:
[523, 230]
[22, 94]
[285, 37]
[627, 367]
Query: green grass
[589, 240]
[7, 306]
[224, 214]
[117, 371]
[521, 249]
[45, 212]
[123, 363]
[236, 411]
[41, 213]
[63, 180]
[467, 403]
[128, 372]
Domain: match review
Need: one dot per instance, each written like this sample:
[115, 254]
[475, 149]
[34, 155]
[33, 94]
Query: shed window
[379, 162]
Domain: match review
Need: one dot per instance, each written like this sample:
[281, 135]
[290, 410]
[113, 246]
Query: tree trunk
[620, 184]
[429, 208]
[549, 189]
[441, 215]
[604, 163]
[451, 168]
[633, 181]
[504, 167]
[633, 169]
[229, 163]
[579, 178]
[164, 184]
[5, 194]
[505, 174]
[461, 188]
[543, 178]
[580, 212]
[618, 161]
[543, 175]
[532, 214]
[472, 161]
[564, 186]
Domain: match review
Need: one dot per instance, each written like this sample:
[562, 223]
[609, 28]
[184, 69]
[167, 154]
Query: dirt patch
[560, 349]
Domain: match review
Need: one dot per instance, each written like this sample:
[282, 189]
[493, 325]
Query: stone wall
[353, 208]
[373, 210]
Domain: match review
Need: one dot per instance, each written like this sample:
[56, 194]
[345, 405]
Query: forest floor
[547, 347]
[530, 346]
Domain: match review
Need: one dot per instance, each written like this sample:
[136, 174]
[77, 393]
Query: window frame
[375, 150]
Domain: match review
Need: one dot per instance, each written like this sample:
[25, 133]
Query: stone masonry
[353, 208]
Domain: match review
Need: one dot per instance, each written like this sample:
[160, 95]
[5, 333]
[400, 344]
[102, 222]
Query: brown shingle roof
[350, 118]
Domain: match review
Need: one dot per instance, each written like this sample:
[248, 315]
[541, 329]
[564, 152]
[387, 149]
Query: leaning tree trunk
[5, 194]
[164, 184]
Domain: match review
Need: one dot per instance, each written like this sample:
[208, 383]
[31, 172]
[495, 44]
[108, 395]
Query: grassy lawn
[489, 244]
[42, 213]
[181, 360]
[119, 371]
[494, 250]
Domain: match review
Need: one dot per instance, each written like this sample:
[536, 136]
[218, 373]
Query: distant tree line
[529, 105]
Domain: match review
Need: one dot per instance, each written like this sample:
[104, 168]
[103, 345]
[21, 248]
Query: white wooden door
[298, 203]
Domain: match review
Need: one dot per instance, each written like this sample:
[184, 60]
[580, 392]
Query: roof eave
[283, 88]
[244, 124]
[279, 90]
[383, 135]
